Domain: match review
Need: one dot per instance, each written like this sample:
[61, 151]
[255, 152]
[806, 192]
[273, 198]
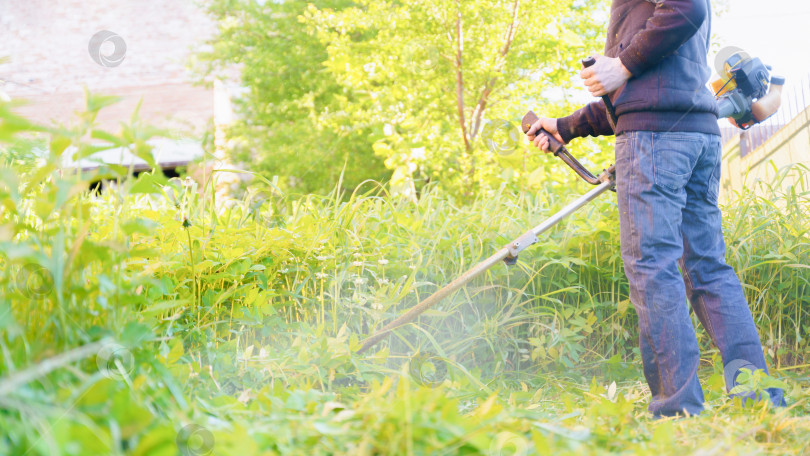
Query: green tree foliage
[436, 74]
[424, 87]
[293, 120]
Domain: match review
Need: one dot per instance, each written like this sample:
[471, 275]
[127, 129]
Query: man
[668, 155]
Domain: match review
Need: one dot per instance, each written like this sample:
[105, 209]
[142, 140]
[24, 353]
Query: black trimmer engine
[746, 92]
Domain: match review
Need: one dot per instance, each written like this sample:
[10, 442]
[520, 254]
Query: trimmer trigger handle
[559, 150]
[589, 62]
[528, 120]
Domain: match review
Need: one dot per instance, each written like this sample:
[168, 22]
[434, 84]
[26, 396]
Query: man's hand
[605, 76]
[541, 141]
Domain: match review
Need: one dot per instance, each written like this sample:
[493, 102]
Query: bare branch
[500, 61]
[460, 78]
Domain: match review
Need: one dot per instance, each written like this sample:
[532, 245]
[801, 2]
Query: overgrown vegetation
[154, 320]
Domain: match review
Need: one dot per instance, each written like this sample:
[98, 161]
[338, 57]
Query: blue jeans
[673, 249]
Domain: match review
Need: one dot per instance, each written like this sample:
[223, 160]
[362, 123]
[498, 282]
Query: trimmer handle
[553, 145]
[559, 150]
[589, 62]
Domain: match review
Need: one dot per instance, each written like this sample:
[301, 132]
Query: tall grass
[242, 317]
[769, 246]
[356, 261]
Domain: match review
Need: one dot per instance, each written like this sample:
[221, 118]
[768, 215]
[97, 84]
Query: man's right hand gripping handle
[559, 150]
[554, 144]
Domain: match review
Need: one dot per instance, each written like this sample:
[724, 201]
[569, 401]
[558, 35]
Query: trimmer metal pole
[509, 254]
[506, 253]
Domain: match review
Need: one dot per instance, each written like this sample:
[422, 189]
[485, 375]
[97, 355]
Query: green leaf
[143, 150]
[135, 334]
[109, 137]
[622, 306]
[95, 103]
[159, 441]
[570, 38]
[138, 225]
[58, 144]
[149, 183]
[162, 306]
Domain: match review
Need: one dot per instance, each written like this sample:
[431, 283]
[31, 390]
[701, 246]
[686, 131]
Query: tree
[291, 113]
[435, 74]
[425, 86]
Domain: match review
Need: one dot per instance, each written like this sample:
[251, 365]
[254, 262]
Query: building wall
[50, 64]
[790, 145]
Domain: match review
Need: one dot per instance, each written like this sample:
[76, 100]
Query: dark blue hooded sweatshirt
[664, 44]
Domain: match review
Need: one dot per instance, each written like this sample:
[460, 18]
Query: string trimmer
[743, 97]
